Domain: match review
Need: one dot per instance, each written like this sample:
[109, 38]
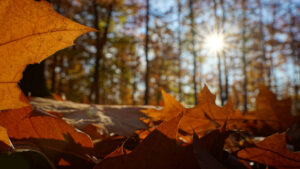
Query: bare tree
[101, 38]
[146, 96]
[179, 49]
[245, 64]
[191, 2]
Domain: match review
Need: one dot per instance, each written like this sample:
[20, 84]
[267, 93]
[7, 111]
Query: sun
[214, 42]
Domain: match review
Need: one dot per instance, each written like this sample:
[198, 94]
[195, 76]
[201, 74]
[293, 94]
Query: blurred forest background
[144, 46]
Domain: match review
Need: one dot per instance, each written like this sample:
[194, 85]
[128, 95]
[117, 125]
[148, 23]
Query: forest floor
[117, 119]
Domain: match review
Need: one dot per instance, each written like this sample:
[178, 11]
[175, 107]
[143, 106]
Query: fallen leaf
[204, 158]
[271, 115]
[171, 109]
[205, 116]
[30, 31]
[117, 152]
[95, 131]
[143, 133]
[273, 112]
[25, 123]
[104, 147]
[209, 151]
[63, 162]
[272, 151]
[54, 150]
[158, 151]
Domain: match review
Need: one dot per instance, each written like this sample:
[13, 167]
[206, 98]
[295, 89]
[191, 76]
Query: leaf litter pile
[203, 137]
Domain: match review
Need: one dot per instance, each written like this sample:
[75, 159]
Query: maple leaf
[206, 115]
[271, 114]
[170, 109]
[30, 31]
[275, 113]
[272, 151]
[25, 123]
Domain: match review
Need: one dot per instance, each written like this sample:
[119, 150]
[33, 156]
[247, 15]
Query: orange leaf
[30, 31]
[63, 162]
[5, 143]
[272, 151]
[206, 115]
[25, 123]
[171, 108]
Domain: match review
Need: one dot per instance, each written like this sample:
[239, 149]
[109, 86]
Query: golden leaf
[30, 31]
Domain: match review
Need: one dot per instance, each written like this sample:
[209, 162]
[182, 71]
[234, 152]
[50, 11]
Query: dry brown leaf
[204, 158]
[104, 147]
[209, 151]
[275, 113]
[25, 123]
[95, 131]
[272, 151]
[158, 151]
[30, 31]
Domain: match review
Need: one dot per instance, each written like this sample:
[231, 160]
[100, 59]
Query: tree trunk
[146, 96]
[54, 60]
[53, 73]
[245, 64]
[295, 57]
[220, 79]
[271, 75]
[224, 55]
[264, 70]
[179, 49]
[100, 43]
[191, 2]
[60, 79]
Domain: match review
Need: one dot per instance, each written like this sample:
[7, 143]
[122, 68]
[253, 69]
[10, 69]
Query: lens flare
[214, 42]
